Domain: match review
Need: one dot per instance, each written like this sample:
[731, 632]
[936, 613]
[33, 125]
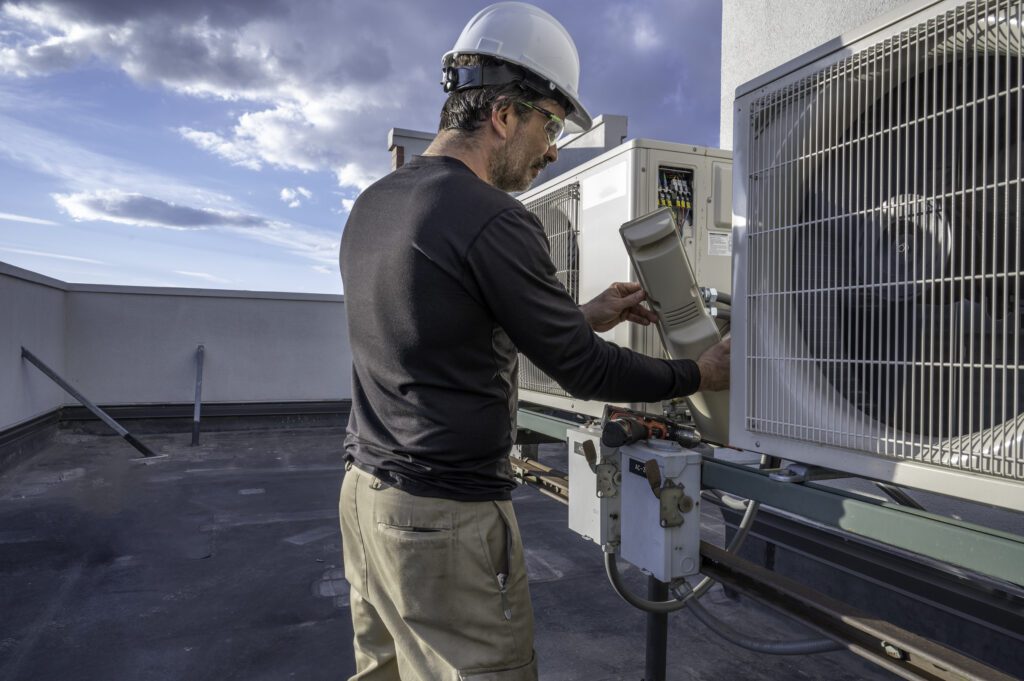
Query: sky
[221, 143]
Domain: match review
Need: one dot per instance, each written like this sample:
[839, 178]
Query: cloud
[292, 196]
[205, 276]
[316, 81]
[83, 170]
[145, 211]
[24, 218]
[317, 84]
[58, 256]
[347, 204]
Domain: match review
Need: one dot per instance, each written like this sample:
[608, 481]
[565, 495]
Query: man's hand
[618, 303]
[714, 366]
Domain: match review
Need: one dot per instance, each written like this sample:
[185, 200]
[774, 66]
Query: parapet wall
[137, 345]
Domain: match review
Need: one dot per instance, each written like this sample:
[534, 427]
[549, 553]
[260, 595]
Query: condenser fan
[906, 251]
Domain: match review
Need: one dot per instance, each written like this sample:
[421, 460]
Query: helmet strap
[457, 78]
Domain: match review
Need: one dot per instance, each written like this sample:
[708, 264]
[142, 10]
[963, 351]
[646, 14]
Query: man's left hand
[619, 302]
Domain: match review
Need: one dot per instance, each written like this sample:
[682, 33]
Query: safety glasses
[555, 125]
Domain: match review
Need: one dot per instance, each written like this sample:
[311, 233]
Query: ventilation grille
[884, 248]
[559, 213]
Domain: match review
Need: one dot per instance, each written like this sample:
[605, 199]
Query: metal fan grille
[559, 213]
[884, 251]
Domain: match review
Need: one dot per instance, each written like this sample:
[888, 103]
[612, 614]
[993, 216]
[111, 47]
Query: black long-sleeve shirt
[445, 278]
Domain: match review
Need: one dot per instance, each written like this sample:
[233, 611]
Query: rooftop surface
[223, 561]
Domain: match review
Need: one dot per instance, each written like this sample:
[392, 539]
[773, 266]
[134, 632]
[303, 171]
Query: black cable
[801, 647]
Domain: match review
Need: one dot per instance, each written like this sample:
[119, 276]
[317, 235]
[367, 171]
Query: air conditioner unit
[879, 256]
[582, 211]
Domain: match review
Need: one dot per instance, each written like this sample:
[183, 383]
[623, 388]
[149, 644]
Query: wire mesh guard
[884, 250]
[559, 213]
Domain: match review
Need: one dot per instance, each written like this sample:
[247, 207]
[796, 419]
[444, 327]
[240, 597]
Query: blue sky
[219, 144]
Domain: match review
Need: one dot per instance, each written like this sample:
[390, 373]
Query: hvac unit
[878, 254]
[582, 211]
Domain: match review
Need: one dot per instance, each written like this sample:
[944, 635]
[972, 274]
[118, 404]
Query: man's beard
[510, 167]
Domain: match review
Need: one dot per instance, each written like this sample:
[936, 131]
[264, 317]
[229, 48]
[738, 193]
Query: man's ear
[501, 119]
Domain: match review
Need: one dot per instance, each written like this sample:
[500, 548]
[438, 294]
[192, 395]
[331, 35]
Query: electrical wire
[685, 596]
[799, 647]
[612, 569]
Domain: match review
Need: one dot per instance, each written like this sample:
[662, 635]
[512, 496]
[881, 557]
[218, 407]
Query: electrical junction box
[661, 519]
[594, 499]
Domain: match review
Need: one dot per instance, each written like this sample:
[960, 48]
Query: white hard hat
[526, 36]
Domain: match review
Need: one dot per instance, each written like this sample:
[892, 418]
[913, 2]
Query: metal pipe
[99, 413]
[657, 633]
[200, 351]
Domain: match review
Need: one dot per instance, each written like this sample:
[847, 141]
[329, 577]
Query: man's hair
[466, 110]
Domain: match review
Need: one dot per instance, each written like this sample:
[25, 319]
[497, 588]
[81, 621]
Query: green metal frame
[972, 547]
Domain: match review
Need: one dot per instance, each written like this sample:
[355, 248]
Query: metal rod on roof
[99, 413]
[199, 395]
[655, 663]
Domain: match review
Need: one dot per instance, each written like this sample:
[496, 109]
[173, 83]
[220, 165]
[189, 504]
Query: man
[446, 278]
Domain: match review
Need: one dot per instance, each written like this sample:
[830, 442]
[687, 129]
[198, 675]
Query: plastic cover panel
[559, 213]
[883, 249]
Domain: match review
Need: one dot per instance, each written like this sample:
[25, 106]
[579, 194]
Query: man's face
[526, 151]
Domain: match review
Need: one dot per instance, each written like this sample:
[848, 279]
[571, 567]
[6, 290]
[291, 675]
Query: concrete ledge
[26, 439]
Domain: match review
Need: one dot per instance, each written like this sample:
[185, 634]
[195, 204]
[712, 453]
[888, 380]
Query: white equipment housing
[594, 500]
[878, 254]
[661, 533]
[582, 211]
[685, 323]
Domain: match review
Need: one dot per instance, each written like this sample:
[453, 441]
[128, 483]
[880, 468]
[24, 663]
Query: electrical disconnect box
[660, 497]
[582, 211]
[594, 501]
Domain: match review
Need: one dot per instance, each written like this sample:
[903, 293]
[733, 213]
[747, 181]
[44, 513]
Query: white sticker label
[720, 243]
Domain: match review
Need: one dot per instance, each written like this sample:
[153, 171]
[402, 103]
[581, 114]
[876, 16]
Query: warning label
[720, 243]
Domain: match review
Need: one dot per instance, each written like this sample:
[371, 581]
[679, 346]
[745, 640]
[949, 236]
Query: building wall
[759, 35]
[128, 345]
[138, 346]
[31, 315]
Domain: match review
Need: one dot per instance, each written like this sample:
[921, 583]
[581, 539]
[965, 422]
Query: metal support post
[99, 413]
[657, 633]
[199, 395]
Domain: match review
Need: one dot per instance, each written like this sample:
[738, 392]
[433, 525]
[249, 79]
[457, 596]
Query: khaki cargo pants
[438, 587]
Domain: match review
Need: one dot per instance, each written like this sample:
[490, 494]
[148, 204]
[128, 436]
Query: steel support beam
[976, 548]
[904, 653]
[545, 424]
[99, 413]
[197, 407]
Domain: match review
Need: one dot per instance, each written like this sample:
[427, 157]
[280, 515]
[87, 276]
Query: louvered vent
[559, 213]
[884, 250]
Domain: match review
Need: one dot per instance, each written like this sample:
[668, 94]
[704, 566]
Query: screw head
[893, 652]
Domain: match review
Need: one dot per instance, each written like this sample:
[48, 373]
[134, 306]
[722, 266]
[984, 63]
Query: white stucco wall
[759, 35]
[137, 346]
[128, 345]
[31, 315]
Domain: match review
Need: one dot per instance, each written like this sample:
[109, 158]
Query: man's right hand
[714, 366]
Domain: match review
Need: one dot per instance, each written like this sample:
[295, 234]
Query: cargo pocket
[526, 672]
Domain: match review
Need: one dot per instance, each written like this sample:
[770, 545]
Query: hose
[725, 298]
[800, 647]
[684, 596]
[612, 569]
